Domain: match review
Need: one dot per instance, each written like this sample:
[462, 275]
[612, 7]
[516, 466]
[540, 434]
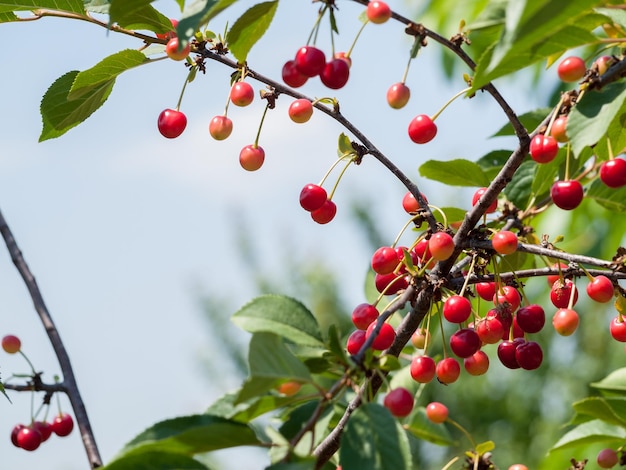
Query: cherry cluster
[30, 437]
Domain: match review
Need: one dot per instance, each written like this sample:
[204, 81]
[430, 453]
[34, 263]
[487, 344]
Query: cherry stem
[463, 430]
[356, 38]
[572, 295]
[258, 134]
[554, 115]
[469, 273]
[182, 92]
[316, 25]
[460, 93]
[30, 364]
[408, 65]
[343, 170]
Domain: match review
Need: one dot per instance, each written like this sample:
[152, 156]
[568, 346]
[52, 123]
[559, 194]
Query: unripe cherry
[441, 245]
[437, 412]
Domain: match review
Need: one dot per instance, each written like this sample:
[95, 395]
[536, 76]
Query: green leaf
[613, 199]
[155, 460]
[594, 113]
[457, 172]
[97, 6]
[59, 114]
[74, 6]
[614, 382]
[546, 174]
[423, 428]
[106, 70]
[191, 435]
[199, 13]
[518, 191]
[244, 412]
[344, 145]
[453, 214]
[249, 28]
[529, 120]
[591, 432]
[305, 465]
[280, 315]
[8, 17]
[374, 440]
[483, 447]
[270, 364]
[617, 16]
[609, 410]
[138, 14]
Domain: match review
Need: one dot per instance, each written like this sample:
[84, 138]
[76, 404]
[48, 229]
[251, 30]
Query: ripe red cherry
[385, 338]
[390, 283]
[464, 342]
[325, 213]
[504, 242]
[355, 341]
[399, 402]
[441, 245]
[169, 34]
[561, 292]
[343, 56]
[478, 194]
[220, 127]
[477, 363]
[171, 49]
[44, 428]
[410, 204]
[485, 290]
[437, 412]
[364, 315]
[531, 318]
[301, 110]
[423, 369]
[335, 74]
[62, 425]
[398, 95]
[292, 76]
[506, 353]
[518, 466]
[11, 344]
[601, 289]
[508, 294]
[613, 173]
[18, 427]
[558, 129]
[251, 157]
[171, 123]
[607, 458]
[567, 194]
[565, 321]
[312, 197]
[457, 309]
[529, 355]
[310, 61]
[423, 254]
[28, 438]
[551, 279]
[448, 370]
[543, 148]
[378, 12]
[618, 329]
[571, 69]
[422, 129]
[241, 94]
[384, 260]
[490, 330]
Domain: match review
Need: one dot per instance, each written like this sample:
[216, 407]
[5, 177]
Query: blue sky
[123, 229]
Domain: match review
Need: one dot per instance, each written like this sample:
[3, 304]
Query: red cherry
[220, 127]
[241, 94]
[171, 123]
[558, 129]
[490, 330]
[567, 194]
[508, 294]
[364, 315]
[291, 75]
[552, 278]
[384, 260]
[310, 61]
[410, 204]
[504, 242]
[506, 353]
[448, 370]
[476, 364]
[335, 74]
[529, 355]
[169, 34]
[171, 49]
[355, 341]
[312, 197]
[565, 321]
[457, 309]
[603, 63]
[423, 369]
[343, 56]
[11, 344]
[422, 129]
[390, 283]
[28, 438]
[601, 289]
[485, 290]
[571, 69]
[251, 157]
[18, 427]
[464, 342]
[561, 292]
[423, 254]
[441, 245]
[543, 148]
[62, 425]
[385, 338]
[613, 173]
[478, 194]
[531, 318]
[618, 329]
[325, 213]
[378, 12]
[301, 110]
[398, 95]
[399, 402]
[607, 458]
[44, 428]
[518, 466]
[437, 412]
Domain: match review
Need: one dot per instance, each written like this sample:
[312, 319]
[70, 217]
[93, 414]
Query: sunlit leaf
[249, 28]
[591, 432]
[615, 381]
[74, 6]
[613, 199]
[610, 410]
[457, 172]
[155, 460]
[138, 14]
[198, 14]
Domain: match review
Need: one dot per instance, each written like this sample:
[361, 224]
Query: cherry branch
[69, 385]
